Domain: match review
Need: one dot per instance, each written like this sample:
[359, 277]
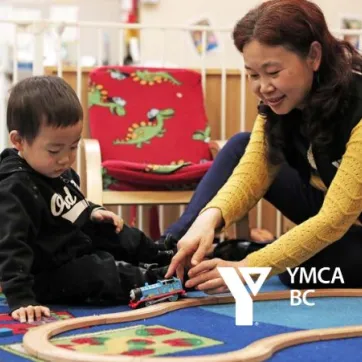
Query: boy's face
[53, 150]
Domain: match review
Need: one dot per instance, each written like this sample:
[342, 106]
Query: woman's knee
[236, 145]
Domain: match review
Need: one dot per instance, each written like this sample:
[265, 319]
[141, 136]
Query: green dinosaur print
[98, 96]
[143, 132]
[200, 135]
[144, 77]
[107, 179]
[166, 169]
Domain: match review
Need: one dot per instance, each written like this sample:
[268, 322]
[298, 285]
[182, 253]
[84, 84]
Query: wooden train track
[37, 340]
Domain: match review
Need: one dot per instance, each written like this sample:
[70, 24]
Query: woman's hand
[100, 215]
[196, 243]
[206, 277]
[30, 313]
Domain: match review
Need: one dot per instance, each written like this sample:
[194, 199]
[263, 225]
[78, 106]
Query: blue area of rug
[326, 313]
[218, 323]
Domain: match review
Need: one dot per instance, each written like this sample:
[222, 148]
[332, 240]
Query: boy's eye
[253, 76]
[74, 147]
[53, 152]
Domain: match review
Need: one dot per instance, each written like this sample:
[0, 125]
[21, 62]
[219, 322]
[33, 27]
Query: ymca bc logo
[243, 300]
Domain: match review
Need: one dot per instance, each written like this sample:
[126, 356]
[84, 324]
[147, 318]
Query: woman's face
[280, 77]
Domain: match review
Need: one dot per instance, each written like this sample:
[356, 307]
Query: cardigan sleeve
[249, 181]
[341, 208]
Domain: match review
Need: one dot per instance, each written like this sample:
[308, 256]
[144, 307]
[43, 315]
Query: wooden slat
[146, 197]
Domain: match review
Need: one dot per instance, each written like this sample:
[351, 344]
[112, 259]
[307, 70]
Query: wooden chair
[135, 160]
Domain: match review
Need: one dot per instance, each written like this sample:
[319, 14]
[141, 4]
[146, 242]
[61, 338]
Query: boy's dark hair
[38, 99]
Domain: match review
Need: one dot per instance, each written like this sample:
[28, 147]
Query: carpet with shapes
[198, 330]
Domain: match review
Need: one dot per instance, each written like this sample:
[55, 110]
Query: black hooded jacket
[42, 225]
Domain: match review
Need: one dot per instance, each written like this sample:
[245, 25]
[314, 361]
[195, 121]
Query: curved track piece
[36, 340]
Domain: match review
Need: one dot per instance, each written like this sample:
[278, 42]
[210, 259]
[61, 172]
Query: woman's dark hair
[42, 99]
[295, 25]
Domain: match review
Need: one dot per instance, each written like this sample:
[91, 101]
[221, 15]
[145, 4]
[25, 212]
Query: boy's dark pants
[295, 200]
[105, 274]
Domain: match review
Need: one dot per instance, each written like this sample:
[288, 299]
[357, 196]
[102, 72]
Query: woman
[304, 154]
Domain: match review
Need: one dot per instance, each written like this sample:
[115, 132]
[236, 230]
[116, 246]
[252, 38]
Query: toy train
[167, 289]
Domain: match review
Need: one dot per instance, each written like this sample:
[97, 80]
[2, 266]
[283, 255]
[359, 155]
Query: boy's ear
[16, 140]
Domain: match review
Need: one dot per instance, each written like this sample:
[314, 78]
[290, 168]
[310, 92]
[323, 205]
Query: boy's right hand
[101, 215]
[30, 313]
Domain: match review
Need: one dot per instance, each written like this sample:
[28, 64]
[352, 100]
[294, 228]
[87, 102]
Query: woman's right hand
[196, 243]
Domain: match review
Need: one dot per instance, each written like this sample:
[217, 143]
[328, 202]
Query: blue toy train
[167, 289]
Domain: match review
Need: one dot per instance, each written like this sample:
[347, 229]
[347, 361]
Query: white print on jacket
[68, 203]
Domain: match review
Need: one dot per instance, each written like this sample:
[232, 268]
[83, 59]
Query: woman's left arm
[341, 208]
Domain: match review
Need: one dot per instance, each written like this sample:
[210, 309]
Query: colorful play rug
[140, 340]
[199, 330]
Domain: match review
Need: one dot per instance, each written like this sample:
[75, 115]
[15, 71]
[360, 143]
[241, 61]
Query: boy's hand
[100, 215]
[30, 313]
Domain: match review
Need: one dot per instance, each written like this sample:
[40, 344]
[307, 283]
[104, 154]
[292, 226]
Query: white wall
[180, 47]
[182, 12]
[221, 14]
[100, 10]
[92, 10]
[88, 10]
[227, 12]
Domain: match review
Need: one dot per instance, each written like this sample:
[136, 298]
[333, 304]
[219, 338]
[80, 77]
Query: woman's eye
[253, 76]
[274, 73]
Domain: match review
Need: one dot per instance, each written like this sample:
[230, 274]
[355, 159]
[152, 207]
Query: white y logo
[243, 301]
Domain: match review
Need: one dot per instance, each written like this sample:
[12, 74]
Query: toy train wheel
[141, 305]
[173, 298]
